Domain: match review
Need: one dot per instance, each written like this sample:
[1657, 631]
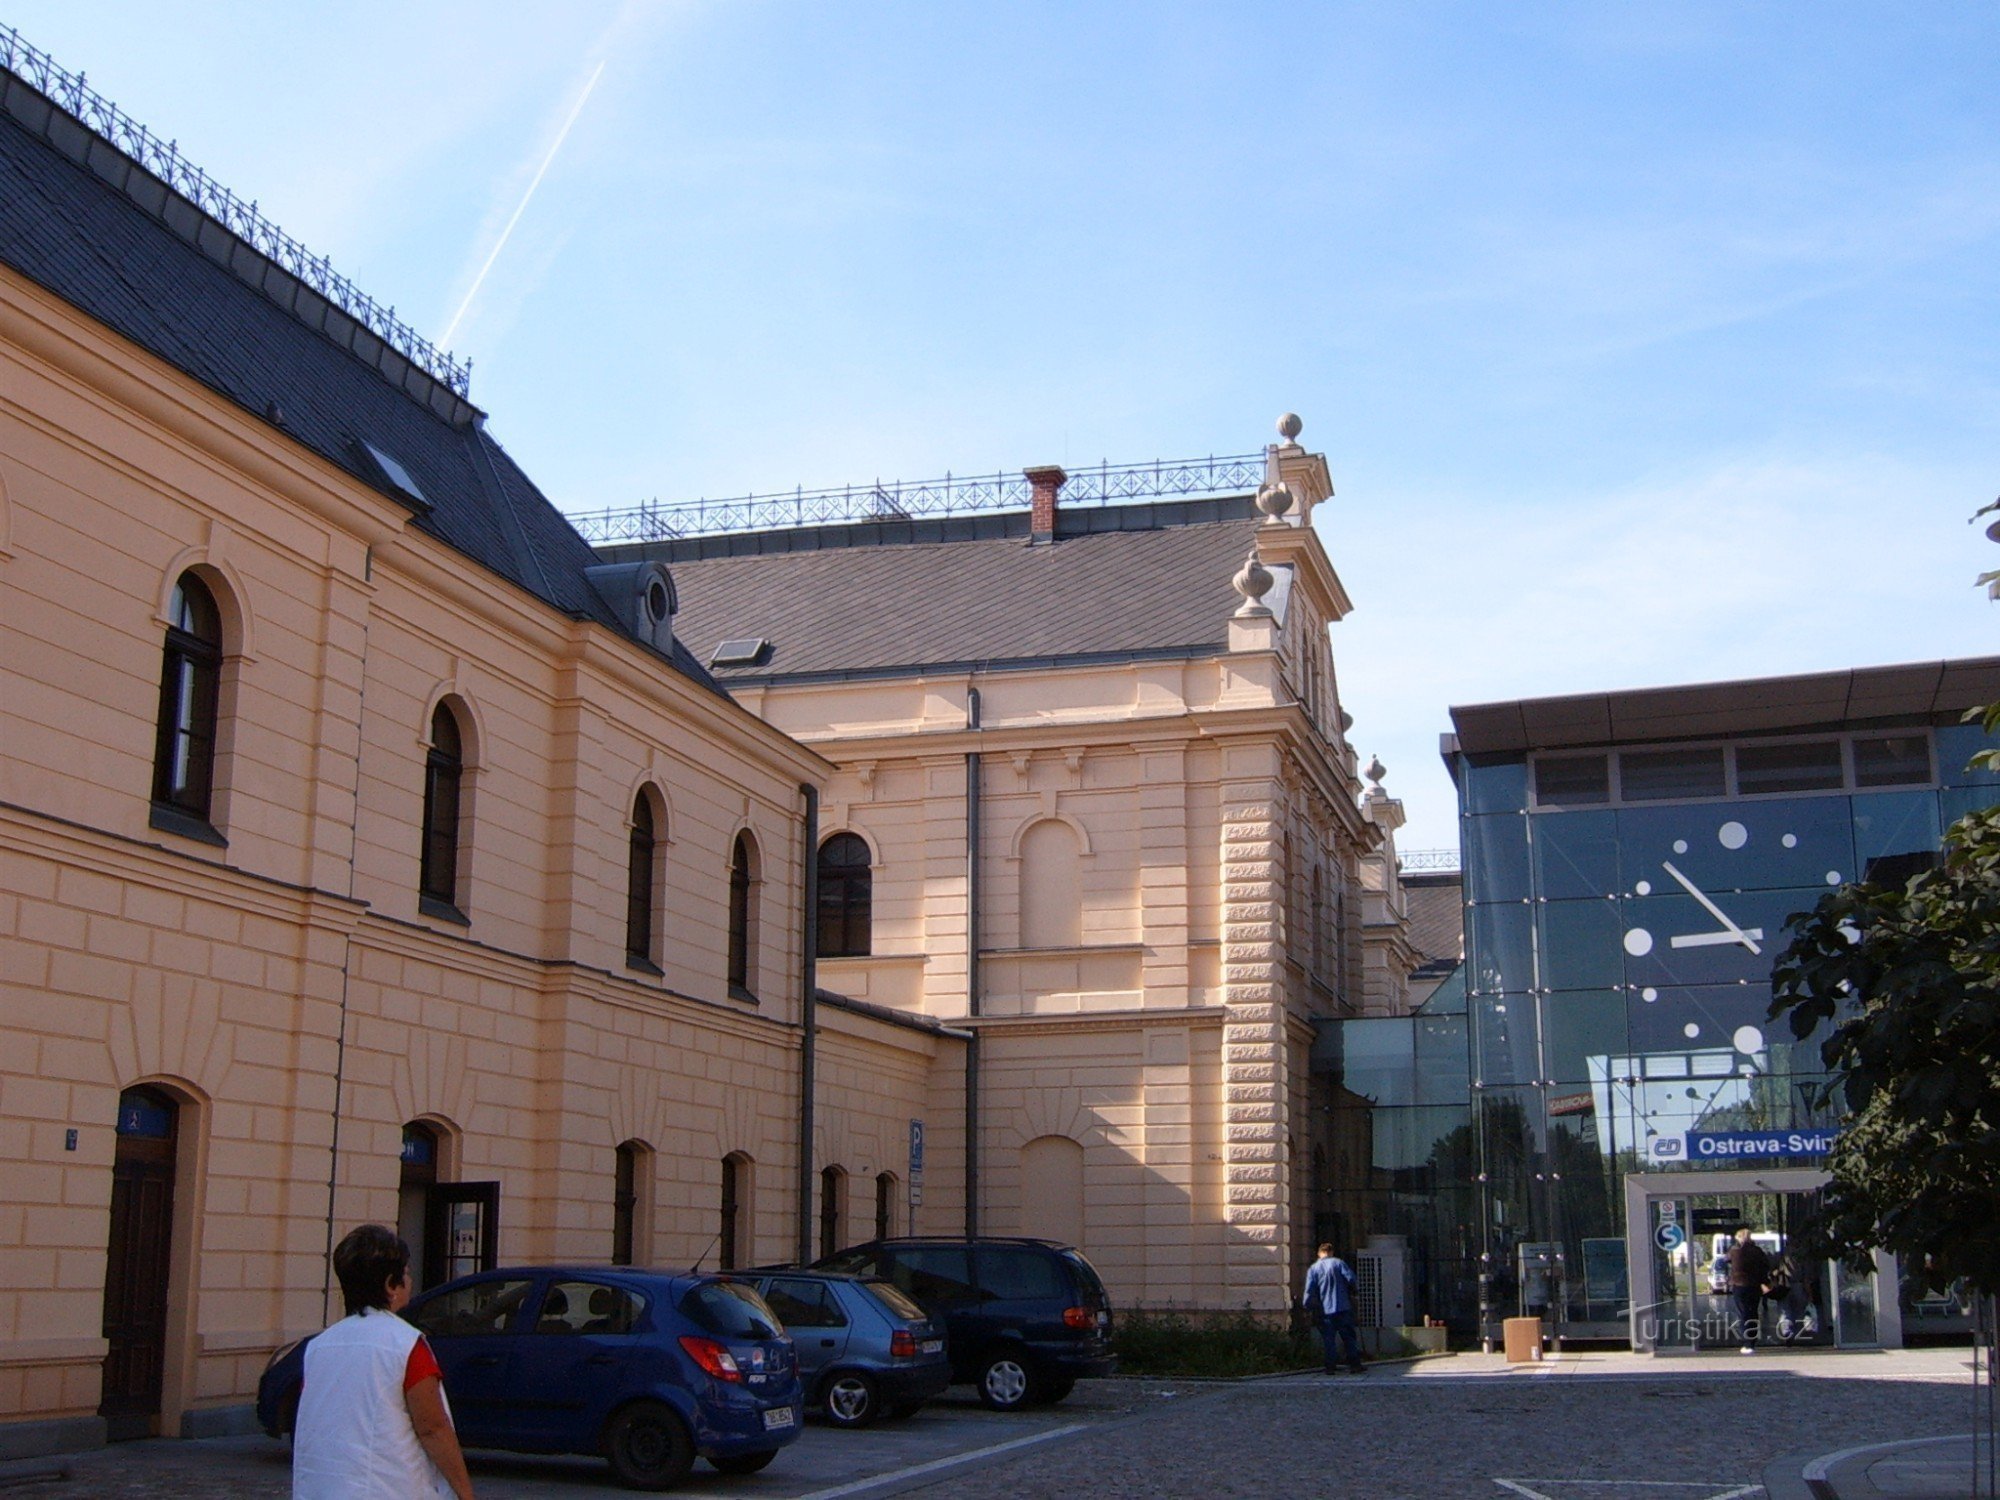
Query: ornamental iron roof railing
[1413, 860]
[902, 500]
[71, 93]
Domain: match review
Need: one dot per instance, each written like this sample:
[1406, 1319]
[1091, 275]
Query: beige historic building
[1096, 805]
[368, 850]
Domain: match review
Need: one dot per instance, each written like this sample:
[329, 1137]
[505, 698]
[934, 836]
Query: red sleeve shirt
[422, 1365]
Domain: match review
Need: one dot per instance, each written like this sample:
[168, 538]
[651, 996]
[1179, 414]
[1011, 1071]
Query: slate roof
[89, 225]
[882, 598]
[1436, 904]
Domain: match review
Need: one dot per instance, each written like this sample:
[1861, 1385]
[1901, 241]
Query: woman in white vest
[373, 1423]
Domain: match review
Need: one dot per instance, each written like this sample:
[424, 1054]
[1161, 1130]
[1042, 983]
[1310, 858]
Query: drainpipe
[808, 1019]
[972, 907]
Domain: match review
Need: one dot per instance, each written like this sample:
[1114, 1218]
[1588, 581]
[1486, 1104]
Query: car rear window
[892, 1297]
[1017, 1273]
[936, 1275]
[1087, 1277]
[730, 1310]
[803, 1303]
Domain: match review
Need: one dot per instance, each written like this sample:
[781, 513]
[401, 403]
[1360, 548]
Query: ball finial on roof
[1289, 427]
[1253, 581]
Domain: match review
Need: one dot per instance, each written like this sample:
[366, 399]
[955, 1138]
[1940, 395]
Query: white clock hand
[1737, 934]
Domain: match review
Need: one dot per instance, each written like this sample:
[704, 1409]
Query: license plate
[931, 1346]
[777, 1417]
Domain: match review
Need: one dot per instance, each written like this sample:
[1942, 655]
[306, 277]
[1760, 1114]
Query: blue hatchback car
[646, 1368]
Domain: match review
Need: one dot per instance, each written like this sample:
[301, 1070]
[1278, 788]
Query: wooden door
[140, 1252]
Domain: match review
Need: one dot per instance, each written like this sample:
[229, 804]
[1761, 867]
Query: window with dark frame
[1789, 766]
[190, 687]
[732, 1213]
[624, 1204]
[846, 897]
[739, 914]
[444, 775]
[832, 1188]
[885, 1205]
[1573, 780]
[642, 847]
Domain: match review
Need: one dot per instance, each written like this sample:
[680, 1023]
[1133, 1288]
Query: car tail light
[903, 1344]
[1079, 1317]
[712, 1357]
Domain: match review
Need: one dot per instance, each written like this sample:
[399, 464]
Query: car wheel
[850, 1399]
[1049, 1392]
[648, 1447]
[1006, 1381]
[744, 1463]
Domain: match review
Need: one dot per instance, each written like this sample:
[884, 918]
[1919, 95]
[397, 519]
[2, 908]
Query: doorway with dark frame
[138, 1262]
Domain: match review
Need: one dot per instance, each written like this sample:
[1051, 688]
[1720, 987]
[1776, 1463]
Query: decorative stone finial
[1274, 500]
[1289, 427]
[1253, 581]
[1376, 771]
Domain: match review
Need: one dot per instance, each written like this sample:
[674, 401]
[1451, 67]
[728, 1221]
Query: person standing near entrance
[372, 1421]
[1329, 1297]
[1749, 1279]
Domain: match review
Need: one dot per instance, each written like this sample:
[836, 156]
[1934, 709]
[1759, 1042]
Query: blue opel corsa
[648, 1369]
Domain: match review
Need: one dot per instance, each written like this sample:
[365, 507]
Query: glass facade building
[1538, 1130]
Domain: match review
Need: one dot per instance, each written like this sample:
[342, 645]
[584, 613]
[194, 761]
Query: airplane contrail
[521, 208]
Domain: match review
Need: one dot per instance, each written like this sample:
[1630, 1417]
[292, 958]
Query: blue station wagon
[650, 1370]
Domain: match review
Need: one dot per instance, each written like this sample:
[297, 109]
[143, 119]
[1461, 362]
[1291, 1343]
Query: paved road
[1601, 1427]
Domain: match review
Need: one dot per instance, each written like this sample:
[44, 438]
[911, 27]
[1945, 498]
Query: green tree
[1909, 978]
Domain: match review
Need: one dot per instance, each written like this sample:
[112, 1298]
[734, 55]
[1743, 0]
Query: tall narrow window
[885, 1205]
[444, 774]
[846, 897]
[832, 1208]
[190, 680]
[625, 1204]
[732, 1234]
[742, 915]
[639, 887]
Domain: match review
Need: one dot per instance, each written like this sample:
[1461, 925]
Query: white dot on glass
[1680, 846]
[1732, 835]
[1690, 1031]
[1649, 994]
[1644, 888]
[1790, 841]
[1638, 942]
[1833, 877]
[1748, 1039]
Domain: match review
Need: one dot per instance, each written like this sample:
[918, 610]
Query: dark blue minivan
[648, 1369]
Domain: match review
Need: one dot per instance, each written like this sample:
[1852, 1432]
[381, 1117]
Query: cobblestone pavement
[1610, 1427]
[1661, 1430]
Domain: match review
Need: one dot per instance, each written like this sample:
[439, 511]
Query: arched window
[733, 1237]
[885, 1205]
[444, 777]
[832, 1208]
[742, 917]
[642, 851]
[1052, 1189]
[629, 1226]
[190, 686]
[846, 897]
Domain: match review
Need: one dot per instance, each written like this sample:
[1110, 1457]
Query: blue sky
[1647, 343]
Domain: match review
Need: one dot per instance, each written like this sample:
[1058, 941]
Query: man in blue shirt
[1329, 1297]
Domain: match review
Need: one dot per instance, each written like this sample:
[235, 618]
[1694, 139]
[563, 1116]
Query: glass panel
[801, 1303]
[1894, 823]
[1857, 1308]
[1572, 780]
[1443, 1060]
[1655, 775]
[1378, 1059]
[1019, 1275]
[483, 1307]
[587, 1307]
[1957, 744]
[1955, 802]
[730, 1310]
[1506, 1040]
[1800, 766]
[1501, 950]
[1584, 1034]
[1893, 760]
[1582, 945]
[1496, 857]
[1575, 854]
[1493, 785]
[935, 1275]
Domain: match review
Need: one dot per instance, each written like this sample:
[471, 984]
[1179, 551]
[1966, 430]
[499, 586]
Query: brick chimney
[1046, 482]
